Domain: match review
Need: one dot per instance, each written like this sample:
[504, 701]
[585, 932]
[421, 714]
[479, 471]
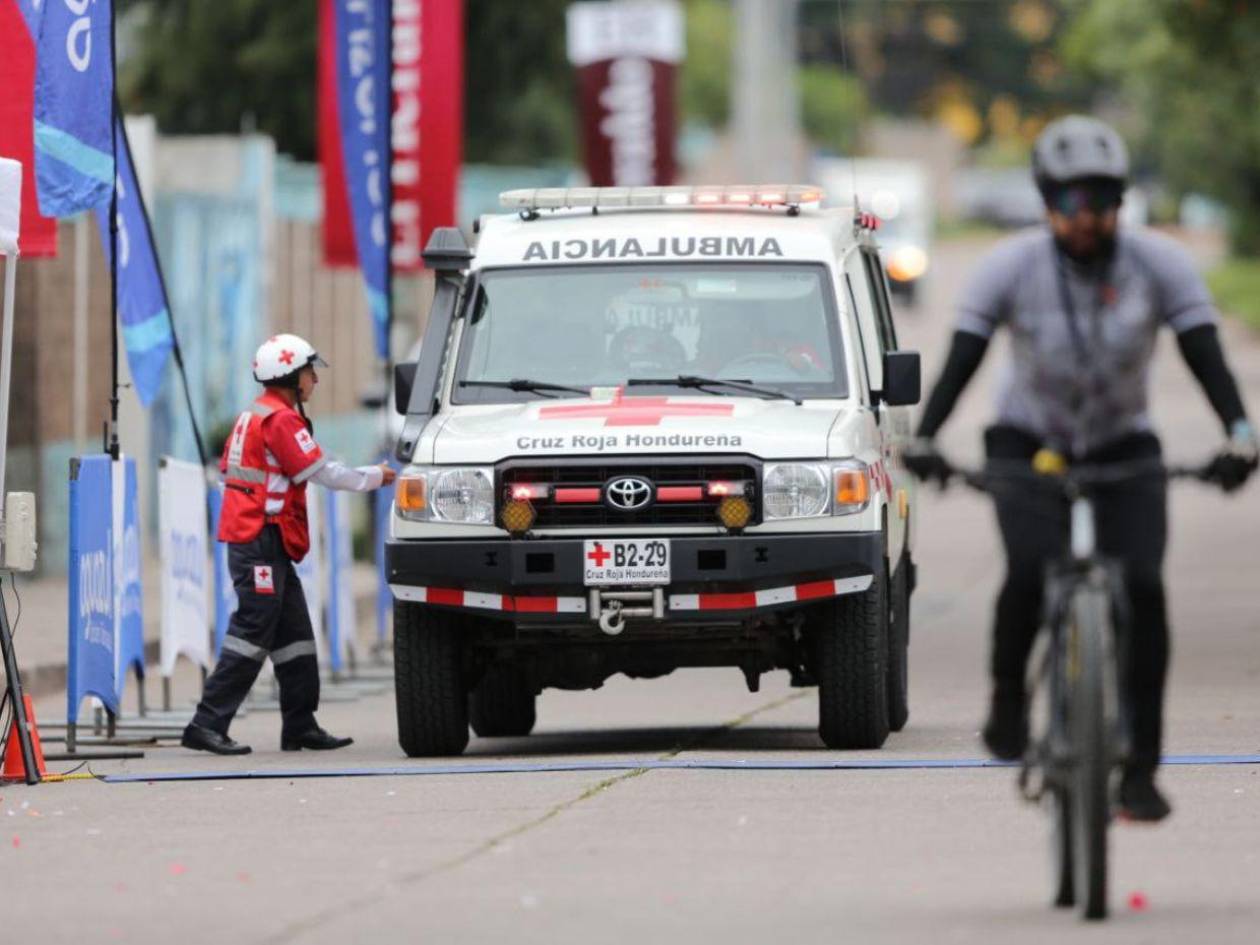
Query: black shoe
[200, 738]
[1006, 731]
[315, 739]
[1140, 799]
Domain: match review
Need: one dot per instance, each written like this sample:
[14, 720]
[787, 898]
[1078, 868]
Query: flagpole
[389, 225]
[111, 445]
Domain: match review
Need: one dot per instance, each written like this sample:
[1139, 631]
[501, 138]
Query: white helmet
[279, 358]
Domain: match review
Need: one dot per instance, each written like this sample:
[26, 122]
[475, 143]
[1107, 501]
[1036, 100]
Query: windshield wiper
[525, 384]
[691, 380]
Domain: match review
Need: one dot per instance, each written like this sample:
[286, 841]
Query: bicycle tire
[1063, 848]
[1086, 666]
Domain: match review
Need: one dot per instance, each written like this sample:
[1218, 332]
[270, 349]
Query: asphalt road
[700, 855]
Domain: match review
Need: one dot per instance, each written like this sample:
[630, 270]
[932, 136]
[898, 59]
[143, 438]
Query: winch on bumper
[722, 577]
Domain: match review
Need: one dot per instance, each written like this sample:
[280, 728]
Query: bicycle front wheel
[1087, 668]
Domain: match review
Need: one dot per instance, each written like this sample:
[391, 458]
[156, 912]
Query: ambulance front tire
[429, 688]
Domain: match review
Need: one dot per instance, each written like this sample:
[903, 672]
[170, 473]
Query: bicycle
[1084, 743]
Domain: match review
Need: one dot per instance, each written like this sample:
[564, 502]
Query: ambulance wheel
[899, 648]
[503, 704]
[429, 687]
[851, 663]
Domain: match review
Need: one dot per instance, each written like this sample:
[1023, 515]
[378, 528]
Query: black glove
[1237, 459]
[925, 462]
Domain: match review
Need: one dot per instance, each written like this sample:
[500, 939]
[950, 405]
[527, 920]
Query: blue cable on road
[666, 764]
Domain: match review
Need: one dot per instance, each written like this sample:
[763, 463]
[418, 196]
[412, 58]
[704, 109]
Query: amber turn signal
[734, 512]
[411, 495]
[853, 488]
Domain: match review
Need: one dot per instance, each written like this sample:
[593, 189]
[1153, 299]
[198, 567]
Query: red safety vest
[266, 463]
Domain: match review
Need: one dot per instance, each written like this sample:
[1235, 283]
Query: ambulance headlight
[461, 494]
[810, 490]
[795, 490]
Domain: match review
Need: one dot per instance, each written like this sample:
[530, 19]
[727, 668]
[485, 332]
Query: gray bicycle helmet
[1078, 147]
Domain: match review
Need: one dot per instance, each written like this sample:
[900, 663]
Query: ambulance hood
[770, 429]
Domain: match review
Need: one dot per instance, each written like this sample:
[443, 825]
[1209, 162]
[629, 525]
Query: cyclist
[1083, 300]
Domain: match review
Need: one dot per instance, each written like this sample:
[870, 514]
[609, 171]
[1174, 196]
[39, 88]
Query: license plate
[619, 561]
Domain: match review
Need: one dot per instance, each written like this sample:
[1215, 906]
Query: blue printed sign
[142, 311]
[383, 502]
[363, 105]
[130, 624]
[91, 579]
[341, 616]
[225, 600]
[74, 105]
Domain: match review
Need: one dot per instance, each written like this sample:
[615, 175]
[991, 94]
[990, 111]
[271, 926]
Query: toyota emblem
[628, 493]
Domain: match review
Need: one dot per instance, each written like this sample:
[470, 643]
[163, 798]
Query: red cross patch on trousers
[264, 581]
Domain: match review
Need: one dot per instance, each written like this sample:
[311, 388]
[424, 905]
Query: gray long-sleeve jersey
[1078, 389]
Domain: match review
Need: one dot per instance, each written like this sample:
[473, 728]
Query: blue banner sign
[382, 504]
[341, 616]
[129, 640]
[91, 665]
[74, 105]
[224, 591]
[363, 105]
[146, 325]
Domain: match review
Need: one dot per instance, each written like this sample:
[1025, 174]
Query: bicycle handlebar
[1076, 479]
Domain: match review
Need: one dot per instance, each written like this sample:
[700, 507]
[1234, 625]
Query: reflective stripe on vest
[245, 474]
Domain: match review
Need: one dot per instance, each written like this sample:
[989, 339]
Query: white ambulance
[651, 429]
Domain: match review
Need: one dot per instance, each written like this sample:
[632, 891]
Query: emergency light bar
[565, 198]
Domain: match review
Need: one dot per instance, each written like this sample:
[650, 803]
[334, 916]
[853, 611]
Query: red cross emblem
[599, 555]
[264, 574]
[286, 357]
[635, 411]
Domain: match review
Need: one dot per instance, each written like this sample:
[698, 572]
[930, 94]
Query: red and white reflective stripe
[749, 600]
[526, 604]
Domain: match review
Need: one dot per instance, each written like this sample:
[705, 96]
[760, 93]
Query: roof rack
[788, 196]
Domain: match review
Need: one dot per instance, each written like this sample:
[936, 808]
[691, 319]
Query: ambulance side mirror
[902, 379]
[404, 379]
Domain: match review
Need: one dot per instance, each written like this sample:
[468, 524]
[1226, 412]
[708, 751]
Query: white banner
[311, 570]
[10, 205]
[185, 563]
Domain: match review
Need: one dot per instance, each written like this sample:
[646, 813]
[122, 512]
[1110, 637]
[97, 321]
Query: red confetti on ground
[1138, 902]
[243, 878]
[17, 842]
[178, 869]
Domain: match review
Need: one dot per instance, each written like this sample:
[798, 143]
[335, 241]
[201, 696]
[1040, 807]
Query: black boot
[200, 738]
[314, 739]
[1140, 799]
[1006, 731]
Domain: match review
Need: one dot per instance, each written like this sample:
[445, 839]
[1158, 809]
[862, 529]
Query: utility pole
[765, 109]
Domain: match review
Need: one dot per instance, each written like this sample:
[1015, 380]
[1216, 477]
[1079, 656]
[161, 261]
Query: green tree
[833, 107]
[206, 68]
[1187, 69]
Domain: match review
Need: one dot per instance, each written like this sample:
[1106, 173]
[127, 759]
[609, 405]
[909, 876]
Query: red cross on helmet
[279, 359]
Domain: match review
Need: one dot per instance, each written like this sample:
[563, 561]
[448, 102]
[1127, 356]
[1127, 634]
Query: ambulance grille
[663, 474]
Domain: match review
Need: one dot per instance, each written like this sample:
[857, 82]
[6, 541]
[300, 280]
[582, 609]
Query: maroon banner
[628, 122]
[626, 55]
[428, 124]
[37, 235]
[338, 231]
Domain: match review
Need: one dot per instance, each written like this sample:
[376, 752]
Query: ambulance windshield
[768, 324]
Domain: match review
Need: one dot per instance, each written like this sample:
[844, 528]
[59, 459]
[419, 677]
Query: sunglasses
[1072, 199]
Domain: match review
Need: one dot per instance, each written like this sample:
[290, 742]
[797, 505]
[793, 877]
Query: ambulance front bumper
[541, 580]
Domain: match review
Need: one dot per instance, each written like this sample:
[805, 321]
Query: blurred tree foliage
[833, 107]
[989, 70]
[1187, 69]
[204, 68]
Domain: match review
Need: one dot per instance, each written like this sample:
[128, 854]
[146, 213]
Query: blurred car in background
[899, 194]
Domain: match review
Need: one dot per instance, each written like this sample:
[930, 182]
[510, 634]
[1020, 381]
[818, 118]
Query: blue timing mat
[668, 764]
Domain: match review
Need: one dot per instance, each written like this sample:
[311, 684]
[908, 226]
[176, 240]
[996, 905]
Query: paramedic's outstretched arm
[335, 475]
